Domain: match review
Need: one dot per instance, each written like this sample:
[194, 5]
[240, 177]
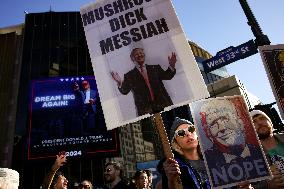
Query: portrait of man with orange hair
[229, 143]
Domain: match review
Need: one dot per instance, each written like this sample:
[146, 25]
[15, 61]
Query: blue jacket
[190, 178]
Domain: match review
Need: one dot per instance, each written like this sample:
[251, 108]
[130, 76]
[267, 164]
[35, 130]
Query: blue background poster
[64, 117]
[229, 142]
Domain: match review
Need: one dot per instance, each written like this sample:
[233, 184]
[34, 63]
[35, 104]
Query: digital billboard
[66, 115]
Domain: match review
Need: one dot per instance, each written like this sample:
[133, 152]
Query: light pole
[261, 39]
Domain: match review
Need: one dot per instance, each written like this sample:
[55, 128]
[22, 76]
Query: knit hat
[177, 122]
[258, 112]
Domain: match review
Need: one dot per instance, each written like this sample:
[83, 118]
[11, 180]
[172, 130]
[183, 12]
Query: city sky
[214, 25]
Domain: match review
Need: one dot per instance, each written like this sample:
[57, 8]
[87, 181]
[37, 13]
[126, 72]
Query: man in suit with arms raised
[146, 83]
[88, 99]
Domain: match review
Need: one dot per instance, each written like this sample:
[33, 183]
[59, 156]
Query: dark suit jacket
[134, 81]
[93, 95]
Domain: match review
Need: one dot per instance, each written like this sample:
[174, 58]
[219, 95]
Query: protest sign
[141, 59]
[273, 60]
[228, 141]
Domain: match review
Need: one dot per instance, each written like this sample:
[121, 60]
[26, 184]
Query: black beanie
[177, 122]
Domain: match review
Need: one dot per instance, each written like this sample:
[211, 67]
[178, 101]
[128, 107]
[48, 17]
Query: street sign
[229, 55]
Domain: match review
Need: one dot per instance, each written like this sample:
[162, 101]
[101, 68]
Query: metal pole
[261, 39]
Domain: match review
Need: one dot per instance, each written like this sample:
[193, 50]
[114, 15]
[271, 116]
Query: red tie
[144, 74]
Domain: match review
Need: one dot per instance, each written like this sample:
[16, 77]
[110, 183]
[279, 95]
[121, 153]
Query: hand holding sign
[277, 180]
[172, 171]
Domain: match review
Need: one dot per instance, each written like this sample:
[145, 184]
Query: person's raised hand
[116, 77]
[60, 161]
[75, 86]
[172, 60]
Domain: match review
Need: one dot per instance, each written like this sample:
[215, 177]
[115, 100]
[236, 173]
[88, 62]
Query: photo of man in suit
[146, 83]
[87, 98]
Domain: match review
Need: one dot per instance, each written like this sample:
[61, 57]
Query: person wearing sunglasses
[113, 176]
[188, 162]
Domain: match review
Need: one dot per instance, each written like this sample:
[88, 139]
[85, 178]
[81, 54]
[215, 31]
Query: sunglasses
[182, 132]
[108, 170]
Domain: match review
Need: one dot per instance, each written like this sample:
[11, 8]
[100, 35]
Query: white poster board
[113, 29]
[228, 141]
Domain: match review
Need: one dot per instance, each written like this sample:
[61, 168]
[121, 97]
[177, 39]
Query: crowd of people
[188, 163]
[113, 175]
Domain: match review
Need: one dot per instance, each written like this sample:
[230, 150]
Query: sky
[213, 25]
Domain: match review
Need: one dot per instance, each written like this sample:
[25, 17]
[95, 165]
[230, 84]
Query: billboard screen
[66, 115]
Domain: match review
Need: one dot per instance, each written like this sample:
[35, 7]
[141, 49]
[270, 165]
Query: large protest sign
[66, 115]
[228, 141]
[273, 60]
[141, 59]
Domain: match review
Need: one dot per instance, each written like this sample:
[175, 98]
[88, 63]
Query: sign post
[166, 145]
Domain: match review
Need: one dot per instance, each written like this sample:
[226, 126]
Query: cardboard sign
[228, 141]
[273, 60]
[141, 59]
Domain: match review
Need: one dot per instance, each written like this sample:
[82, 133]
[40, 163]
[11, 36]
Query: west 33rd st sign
[229, 55]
